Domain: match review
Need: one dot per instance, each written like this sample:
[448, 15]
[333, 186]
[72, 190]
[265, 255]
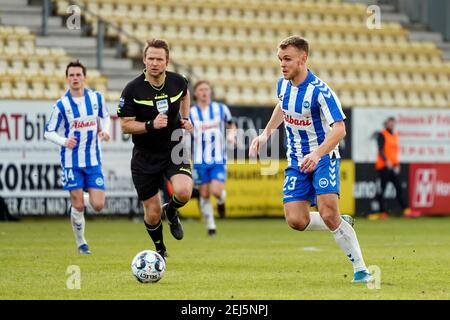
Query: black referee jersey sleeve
[126, 107]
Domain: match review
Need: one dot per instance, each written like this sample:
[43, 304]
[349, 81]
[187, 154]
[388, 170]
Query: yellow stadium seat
[36, 89]
[396, 58]
[17, 67]
[134, 49]
[4, 65]
[338, 77]
[48, 67]
[373, 98]
[414, 99]
[359, 98]
[233, 95]
[226, 73]
[345, 57]
[443, 79]
[52, 89]
[93, 73]
[106, 9]
[212, 72]
[12, 45]
[136, 11]
[405, 78]
[42, 52]
[271, 73]
[20, 89]
[121, 10]
[346, 98]
[92, 6]
[387, 99]
[193, 14]
[351, 76]
[370, 58]
[418, 79]
[391, 79]
[430, 79]
[27, 45]
[248, 95]
[324, 74]
[378, 77]
[33, 66]
[5, 88]
[365, 77]
[190, 52]
[409, 59]
[400, 99]
[440, 100]
[233, 53]
[198, 71]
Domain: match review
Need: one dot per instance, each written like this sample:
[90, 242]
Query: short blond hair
[157, 43]
[296, 41]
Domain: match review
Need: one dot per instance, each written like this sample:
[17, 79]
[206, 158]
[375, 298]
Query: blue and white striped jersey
[309, 109]
[209, 133]
[79, 117]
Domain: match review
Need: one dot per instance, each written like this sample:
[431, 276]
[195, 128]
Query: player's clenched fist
[255, 147]
[71, 142]
[186, 124]
[160, 121]
[104, 136]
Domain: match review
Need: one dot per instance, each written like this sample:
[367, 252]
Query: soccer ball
[148, 266]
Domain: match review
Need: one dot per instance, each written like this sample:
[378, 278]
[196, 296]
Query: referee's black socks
[156, 233]
[172, 207]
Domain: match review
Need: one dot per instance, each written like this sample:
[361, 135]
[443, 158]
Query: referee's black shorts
[148, 170]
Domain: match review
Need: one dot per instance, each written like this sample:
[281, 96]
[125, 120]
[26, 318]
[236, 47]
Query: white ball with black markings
[148, 266]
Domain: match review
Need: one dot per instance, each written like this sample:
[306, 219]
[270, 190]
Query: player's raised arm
[275, 121]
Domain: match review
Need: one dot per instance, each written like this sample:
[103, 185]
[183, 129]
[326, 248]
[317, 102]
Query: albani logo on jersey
[206, 126]
[297, 122]
[83, 124]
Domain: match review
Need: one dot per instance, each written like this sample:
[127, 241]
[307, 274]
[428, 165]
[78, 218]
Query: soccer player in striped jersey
[314, 123]
[210, 120]
[79, 121]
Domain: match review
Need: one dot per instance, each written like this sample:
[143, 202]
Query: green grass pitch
[248, 259]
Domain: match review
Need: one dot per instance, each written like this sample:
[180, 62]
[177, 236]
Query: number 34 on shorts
[83, 178]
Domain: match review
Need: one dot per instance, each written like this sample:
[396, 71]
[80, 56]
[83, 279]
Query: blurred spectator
[387, 166]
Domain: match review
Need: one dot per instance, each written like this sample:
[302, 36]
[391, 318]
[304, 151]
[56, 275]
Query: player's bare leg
[153, 223]
[218, 190]
[300, 218]
[297, 214]
[77, 220]
[344, 234]
[182, 190]
[96, 199]
[206, 208]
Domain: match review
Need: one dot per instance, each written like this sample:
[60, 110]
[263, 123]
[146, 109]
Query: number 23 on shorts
[289, 183]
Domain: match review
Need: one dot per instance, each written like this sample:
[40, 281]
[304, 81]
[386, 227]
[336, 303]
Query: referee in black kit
[151, 108]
